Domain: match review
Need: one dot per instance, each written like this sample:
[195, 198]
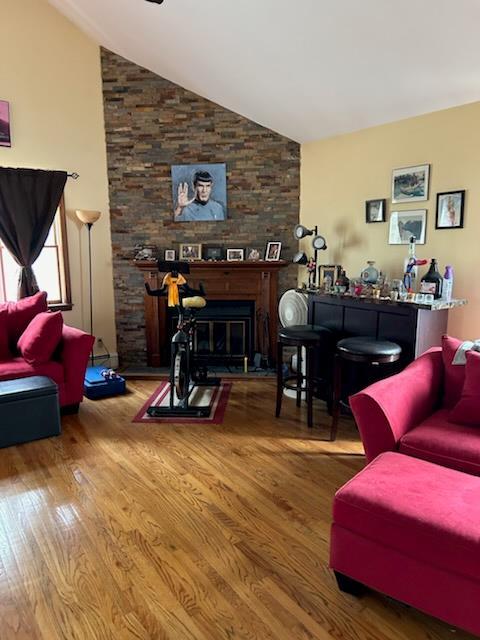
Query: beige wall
[339, 174]
[50, 74]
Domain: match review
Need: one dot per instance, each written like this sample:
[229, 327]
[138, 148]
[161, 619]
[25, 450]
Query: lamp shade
[300, 258]
[300, 232]
[86, 216]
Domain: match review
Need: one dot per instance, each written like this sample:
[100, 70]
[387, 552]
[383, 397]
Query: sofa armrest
[74, 353]
[388, 409]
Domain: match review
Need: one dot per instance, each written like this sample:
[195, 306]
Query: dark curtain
[28, 201]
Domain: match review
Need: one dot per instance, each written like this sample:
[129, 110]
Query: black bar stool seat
[361, 349]
[312, 338]
[366, 349]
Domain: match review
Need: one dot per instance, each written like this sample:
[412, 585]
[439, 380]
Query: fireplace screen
[225, 330]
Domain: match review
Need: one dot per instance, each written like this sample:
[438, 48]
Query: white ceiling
[305, 68]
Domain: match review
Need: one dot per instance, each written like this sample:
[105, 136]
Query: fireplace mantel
[223, 280]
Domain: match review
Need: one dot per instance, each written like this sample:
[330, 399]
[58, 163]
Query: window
[51, 267]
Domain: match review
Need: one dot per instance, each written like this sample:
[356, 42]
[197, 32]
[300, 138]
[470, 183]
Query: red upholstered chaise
[68, 363]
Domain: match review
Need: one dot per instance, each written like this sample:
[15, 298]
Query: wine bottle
[447, 291]
[410, 269]
[432, 281]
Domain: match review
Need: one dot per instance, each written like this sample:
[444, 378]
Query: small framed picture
[410, 184]
[273, 251]
[235, 255]
[213, 253]
[331, 271]
[190, 251]
[450, 210]
[405, 224]
[253, 254]
[170, 254]
[375, 210]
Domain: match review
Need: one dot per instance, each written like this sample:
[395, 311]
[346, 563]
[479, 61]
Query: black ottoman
[29, 410]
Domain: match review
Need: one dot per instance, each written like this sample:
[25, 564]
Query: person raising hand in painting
[201, 206]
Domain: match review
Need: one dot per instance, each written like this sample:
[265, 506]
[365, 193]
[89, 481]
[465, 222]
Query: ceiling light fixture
[155, 1]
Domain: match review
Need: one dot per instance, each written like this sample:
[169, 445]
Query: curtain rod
[73, 175]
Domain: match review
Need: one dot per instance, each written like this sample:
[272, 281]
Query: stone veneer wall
[151, 124]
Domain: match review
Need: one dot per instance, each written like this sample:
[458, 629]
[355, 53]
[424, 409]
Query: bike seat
[195, 302]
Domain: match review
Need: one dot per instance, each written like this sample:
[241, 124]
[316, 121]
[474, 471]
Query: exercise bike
[186, 373]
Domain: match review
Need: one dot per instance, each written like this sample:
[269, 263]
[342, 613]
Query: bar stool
[360, 349]
[308, 337]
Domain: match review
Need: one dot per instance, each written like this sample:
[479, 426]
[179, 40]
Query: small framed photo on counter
[170, 254]
[331, 271]
[213, 253]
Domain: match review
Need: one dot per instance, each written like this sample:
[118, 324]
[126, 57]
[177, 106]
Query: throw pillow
[454, 373]
[40, 339]
[21, 313]
[467, 409]
[4, 350]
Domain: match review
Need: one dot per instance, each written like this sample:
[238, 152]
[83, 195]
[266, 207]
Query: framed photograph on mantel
[405, 224]
[450, 210]
[410, 184]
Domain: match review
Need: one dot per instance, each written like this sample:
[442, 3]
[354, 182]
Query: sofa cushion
[454, 373]
[21, 313]
[425, 511]
[18, 368]
[438, 440]
[4, 350]
[467, 409]
[42, 336]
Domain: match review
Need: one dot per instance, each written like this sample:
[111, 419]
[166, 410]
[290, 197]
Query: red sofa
[68, 363]
[408, 412]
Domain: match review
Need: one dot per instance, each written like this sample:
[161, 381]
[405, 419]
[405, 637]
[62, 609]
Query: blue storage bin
[96, 386]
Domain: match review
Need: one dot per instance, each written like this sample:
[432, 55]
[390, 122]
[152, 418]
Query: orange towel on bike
[173, 284]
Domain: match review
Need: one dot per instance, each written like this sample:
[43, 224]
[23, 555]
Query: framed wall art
[199, 192]
[375, 210]
[410, 184]
[450, 205]
[405, 224]
[5, 138]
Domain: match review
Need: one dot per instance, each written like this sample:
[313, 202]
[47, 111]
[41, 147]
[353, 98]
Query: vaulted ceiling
[305, 68]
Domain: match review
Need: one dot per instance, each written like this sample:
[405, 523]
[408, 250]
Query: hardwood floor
[188, 532]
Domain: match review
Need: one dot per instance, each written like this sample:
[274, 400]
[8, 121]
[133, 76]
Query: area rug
[217, 397]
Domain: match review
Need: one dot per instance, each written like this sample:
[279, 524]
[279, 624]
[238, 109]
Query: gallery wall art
[5, 138]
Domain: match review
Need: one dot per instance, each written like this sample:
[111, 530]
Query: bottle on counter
[342, 282]
[447, 291]
[410, 268]
[432, 281]
[370, 274]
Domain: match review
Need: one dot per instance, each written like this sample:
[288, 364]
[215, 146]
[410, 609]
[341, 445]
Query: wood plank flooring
[128, 531]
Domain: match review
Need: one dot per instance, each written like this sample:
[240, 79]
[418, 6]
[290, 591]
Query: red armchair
[68, 363]
[408, 412]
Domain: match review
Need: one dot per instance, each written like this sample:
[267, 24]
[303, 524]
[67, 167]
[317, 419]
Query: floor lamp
[88, 218]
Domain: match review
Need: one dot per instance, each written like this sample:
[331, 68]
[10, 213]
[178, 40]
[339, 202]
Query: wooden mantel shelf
[255, 280]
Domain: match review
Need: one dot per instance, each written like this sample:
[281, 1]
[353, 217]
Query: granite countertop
[437, 305]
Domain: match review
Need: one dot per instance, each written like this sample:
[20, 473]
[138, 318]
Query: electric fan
[293, 310]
